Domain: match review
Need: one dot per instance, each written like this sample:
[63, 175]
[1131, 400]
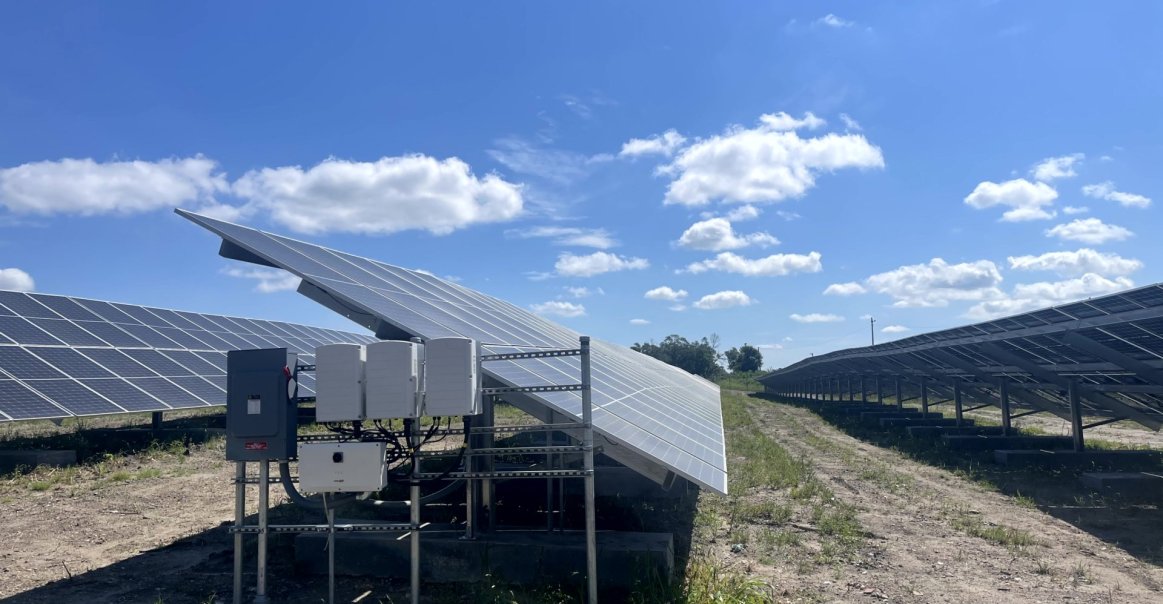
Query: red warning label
[255, 445]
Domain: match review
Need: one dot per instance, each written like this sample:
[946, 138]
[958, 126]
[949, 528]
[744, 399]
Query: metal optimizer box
[261, 418]
[350, 467]
[339, 383]
[393, 379]
[451, 380]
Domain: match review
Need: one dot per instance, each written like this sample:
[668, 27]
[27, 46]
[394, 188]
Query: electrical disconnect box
[339, 382]
[261, 418]
[393, 379]
[351, 467]
[451, 381]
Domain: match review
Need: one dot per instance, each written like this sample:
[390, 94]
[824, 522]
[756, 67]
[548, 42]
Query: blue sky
[773, 173]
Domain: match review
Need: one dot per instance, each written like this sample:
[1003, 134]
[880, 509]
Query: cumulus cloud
[716, 234]
[570, 265]
[938, 282]
[267, 280]
[894, 329]
[1076, 263]
[639, 322]
[15, 279]
[1071, 210]
[1026, 200]
[724, 299]
[559, 308]
[660, 144]
[782, 121]
[767, 163]
[385, 196]
[1053, 168]
[1089, 230]
[1106, 190]
[666, 293]
[86, 187]
[1031, 296]
[772, 266]
[844, 289]
[815, 317]
[568, 236]
[742, 213]
[830, 20]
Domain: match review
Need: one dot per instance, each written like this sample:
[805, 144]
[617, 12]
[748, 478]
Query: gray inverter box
[261, 418]
[452, 385]
[339, 383]
[392, 368]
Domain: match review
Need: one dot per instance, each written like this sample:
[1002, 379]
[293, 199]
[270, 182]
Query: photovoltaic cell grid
[653, 409]
[1111, 346]
[63, 357]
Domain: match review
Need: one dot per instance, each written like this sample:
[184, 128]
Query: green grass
[1014, 539]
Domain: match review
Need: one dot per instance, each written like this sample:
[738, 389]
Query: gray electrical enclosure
[261, 418]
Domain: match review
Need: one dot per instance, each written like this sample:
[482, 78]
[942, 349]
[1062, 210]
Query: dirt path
[921, 523]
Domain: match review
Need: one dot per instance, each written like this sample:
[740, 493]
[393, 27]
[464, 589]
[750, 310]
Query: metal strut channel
[512, 356]
[507, 389]
[323, 528]
[510, 474]
[504, 451]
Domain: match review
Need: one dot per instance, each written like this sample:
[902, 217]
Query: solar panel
[63, 357]
[648, 412]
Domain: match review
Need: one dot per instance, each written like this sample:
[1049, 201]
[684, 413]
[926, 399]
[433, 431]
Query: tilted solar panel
[64, 357]
[644, 408]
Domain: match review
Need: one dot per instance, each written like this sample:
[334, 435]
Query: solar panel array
[64, 357]
[656, 410]
[1111, 347]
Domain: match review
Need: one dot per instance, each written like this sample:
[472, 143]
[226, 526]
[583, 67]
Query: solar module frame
[96, 367]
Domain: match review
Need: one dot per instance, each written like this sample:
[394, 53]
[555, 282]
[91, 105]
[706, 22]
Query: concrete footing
[1127, 484]
[937, 431]
[519, 557]
[1075, 458]
[941, 422]
[964, 442]
[11, 460]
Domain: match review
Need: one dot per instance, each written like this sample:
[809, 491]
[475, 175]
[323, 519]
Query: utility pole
[872, 329]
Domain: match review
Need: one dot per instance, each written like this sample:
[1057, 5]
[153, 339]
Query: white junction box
[452, 385]
[339, 383]
[393, 379]
[352, 467]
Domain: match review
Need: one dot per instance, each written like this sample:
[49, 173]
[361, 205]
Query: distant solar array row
[1110, 347]
[63, 357]
[645, 409]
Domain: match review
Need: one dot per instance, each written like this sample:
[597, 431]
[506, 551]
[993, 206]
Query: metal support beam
[900, 401]
[958, 411]
[1076, 415]
[1004, 389]
[879, 391]
[588, 466]
[264, 490]
[156, 421]
[924, 396]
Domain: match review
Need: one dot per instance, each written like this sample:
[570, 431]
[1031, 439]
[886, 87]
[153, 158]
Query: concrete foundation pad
[902, 422]
[965, 442]
[11, 460]
[937, 431]
[1075, 458]
[1129, 484]
[518, 557]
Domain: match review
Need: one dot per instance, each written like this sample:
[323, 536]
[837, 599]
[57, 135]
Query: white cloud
[1089, 230]
[678, 307]
[570, 265]
[87, 187]
[724, 299]
[844, 289]
[815, 317]
[555, 165]
[772, 266]
[782, 121]
[1080, 262]
[15, 279]
[639, 322]
[1026, 199]
[385, 196]
[742, 213]
[1106, 190]
[938, 282]
[850, 123]
[788, 216]
[660, 144]
[570, 236]
[894, 329]
[584, 292]
[1053, 168]
[769, 346]
[269, 280]
[559, 308]
[1030, 296]
[1071, 210]
[666, 293]
[716, 234]
[831, 20]
[761, 164]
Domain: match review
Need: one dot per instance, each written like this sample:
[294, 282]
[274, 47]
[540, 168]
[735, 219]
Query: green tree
[744, 359]
[695, 356]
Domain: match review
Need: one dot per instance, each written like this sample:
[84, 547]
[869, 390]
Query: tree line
[702, 357]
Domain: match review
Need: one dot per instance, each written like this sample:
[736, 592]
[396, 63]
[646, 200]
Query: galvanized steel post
[900, 401]
[588, 457]
[957, 400]
[264, 492]
[239, 519]
[414, 501]
[1004, 392]
[1076, 416]
[924, 396]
